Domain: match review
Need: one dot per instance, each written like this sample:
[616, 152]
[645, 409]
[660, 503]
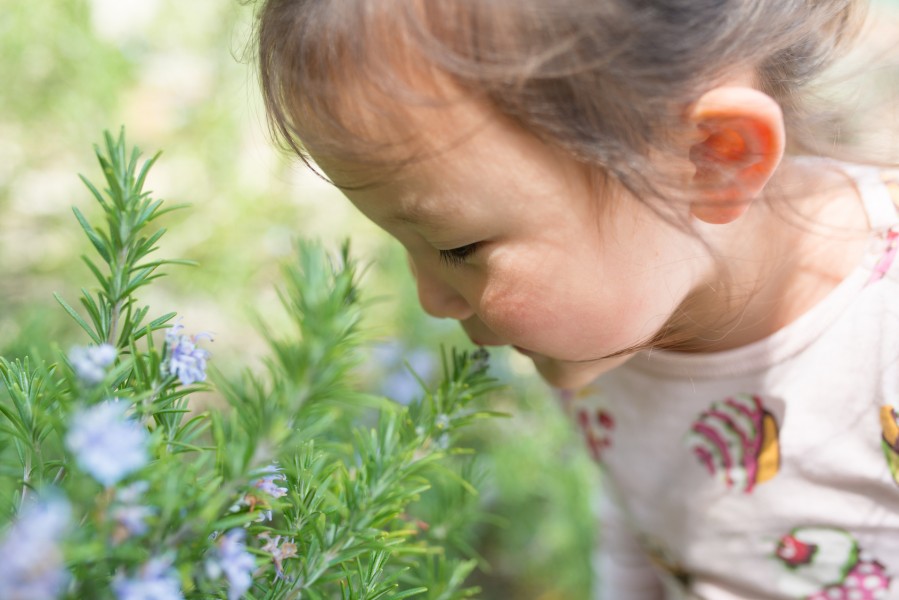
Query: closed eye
[456, 257]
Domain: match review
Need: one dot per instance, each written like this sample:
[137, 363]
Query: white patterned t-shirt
[769, 471]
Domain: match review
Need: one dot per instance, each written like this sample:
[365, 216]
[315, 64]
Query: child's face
[506, 235]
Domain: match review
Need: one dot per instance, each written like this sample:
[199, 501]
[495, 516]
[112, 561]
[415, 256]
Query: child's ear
[741, 143]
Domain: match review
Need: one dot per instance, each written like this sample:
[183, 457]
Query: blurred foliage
[168, 500]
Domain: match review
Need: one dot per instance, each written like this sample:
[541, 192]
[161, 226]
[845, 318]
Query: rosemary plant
[113, 486]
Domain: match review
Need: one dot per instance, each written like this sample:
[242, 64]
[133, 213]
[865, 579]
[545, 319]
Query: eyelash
[456, 257]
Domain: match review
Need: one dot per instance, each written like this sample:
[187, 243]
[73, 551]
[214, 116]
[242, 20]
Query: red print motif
[597, 428]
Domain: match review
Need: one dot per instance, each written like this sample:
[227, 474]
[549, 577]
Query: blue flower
[106, 443]
[230, 557]
[90, 362]
[131, 518]
[267, 484]
[157, 580]
[32, 563]
[132, 494]
[268, 487]
[128, 512]
[185, 360]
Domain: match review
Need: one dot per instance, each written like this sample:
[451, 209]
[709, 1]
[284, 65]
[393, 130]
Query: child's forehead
[412, 145]
[371, 96]
[475, 160]
[422, 194]
[380, 111]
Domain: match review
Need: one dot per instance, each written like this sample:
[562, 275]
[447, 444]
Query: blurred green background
[179, 76]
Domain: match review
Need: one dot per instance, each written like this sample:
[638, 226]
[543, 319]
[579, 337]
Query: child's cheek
[518, 315]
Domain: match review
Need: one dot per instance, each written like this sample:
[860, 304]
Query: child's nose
[438, 298]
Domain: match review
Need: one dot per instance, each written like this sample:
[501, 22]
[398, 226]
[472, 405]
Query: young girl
[631, 193]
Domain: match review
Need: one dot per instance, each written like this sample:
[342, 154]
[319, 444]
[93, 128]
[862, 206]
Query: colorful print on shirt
[826, 563]
[596, 425]
[891, 242]
[889, 424]
[736, 440]
[891, 237]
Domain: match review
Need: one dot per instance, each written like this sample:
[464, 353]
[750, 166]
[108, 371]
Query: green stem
[117, 307]
[26, 478]
[59, 475]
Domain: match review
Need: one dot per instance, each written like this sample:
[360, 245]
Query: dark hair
[605, 80]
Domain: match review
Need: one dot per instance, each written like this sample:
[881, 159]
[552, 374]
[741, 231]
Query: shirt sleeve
[622, 569]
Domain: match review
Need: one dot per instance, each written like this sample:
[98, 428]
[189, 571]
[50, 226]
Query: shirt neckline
[776, 348]
[797, 335]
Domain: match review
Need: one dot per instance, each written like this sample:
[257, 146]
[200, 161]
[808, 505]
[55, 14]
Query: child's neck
[793, 248]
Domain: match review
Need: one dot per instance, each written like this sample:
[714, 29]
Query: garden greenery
[113, 485]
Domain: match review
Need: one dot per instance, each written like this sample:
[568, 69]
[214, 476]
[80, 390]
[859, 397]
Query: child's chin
[568, 375]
